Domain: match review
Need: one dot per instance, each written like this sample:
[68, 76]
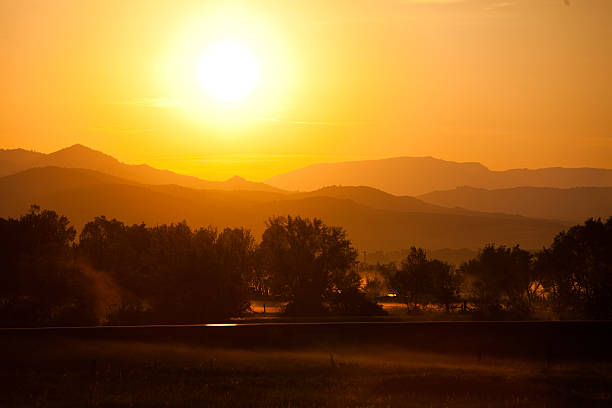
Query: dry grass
[136, 374]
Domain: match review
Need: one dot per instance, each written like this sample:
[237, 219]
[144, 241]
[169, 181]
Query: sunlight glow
[228, 71]
[225, 69]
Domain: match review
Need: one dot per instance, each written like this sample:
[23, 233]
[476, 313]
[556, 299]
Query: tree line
[115, 273]
[121, 274]
[572, 278]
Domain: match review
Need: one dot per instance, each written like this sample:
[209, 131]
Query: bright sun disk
[228, 71]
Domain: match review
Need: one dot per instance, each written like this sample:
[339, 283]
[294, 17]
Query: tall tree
[577, 270]
[310, 263]
[412, 281]
[500, 280]
[420, 281]
[40, 283]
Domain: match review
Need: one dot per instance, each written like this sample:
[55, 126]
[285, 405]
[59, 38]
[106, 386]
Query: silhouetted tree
[500, 279]
[353, 301]
[40, 283]
[446, 285]
[311, 264]
[412, 281]
[117, 249]
[420, 280]
[235, 255]
[577, 270]
[171, 273]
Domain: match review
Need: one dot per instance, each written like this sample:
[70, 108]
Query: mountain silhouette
[420, 175]
[14, 160]
[374, 220]
[570, 204]
[379, 199]
[565, 204]
[79, 156]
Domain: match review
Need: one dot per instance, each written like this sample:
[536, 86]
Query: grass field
[56, 372]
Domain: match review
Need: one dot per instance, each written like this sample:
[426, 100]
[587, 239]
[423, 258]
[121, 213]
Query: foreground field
[58, 372]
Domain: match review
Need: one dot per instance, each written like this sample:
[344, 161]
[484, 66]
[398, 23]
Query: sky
[508, 83]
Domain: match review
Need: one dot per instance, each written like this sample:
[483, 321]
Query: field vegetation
[96, 373]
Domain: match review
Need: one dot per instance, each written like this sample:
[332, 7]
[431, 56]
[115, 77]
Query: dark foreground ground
[420, 365]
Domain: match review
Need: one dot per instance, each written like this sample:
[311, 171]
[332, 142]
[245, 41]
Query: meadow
[305, 365]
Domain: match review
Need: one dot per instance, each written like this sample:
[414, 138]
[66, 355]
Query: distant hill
[374, 198]
[14, 160]
[381, 200]
[79, 156]
[27, 187]
[373, 229]
[571, 204]
[419, 175]
[374, 220]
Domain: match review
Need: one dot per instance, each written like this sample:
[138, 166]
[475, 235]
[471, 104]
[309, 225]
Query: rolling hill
[571, 204]
[12, 161]
[375, 198]
[374, 220]
[79, 156]
[420, 175]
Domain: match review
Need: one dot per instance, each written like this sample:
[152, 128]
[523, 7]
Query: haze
[506, 83]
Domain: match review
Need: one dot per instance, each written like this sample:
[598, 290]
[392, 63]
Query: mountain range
[372, 223]
[571, 204]
[415, 176]
[79, 156]
[83, 183]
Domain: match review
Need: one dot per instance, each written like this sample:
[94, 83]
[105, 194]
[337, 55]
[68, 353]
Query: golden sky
[509, 83]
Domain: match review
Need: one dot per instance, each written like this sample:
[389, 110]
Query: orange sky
[509, 83]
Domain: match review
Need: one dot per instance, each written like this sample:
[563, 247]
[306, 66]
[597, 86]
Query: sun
[228, 71]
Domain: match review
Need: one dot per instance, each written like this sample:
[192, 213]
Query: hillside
[84, 194]
[79, 156]
[420, 175]
[571, 204]
[375, 198]
[14, 160]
